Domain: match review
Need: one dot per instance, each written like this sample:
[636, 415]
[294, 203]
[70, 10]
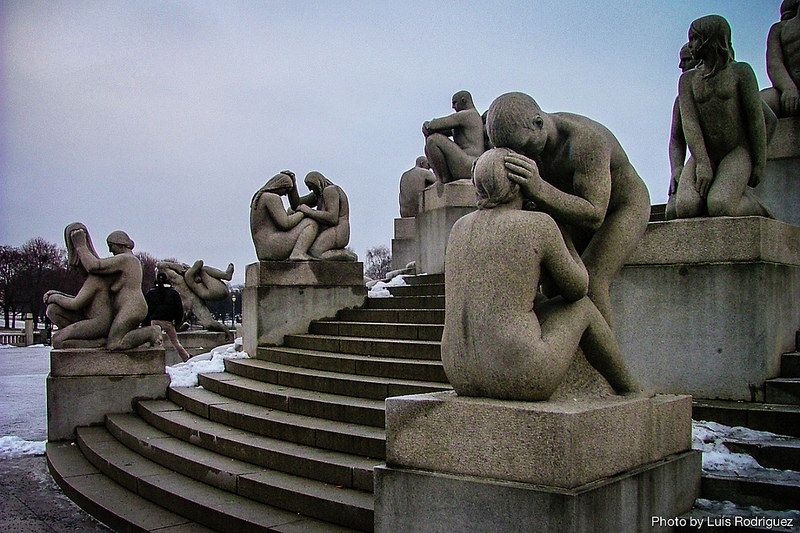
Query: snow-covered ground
[185, 374]
[12, 446]
[379, 290]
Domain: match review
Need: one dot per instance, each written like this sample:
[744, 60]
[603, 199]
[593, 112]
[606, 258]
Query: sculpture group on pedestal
[315, 227]
[196, 285]
[783, 62]
[110, 305]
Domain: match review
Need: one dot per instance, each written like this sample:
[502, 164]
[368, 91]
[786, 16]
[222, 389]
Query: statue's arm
[776, 69]
[92, 263]
[295, 200]
[278, 214]
[448, 123]
[566, 270]
[330, 215]
[73, 303]
[754, 120]
[677, 148]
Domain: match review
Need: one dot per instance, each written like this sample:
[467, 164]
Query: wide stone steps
[783, 390]
[778, 490]
[345, 437]
[365, 385]
[425, 332]
[109, 502]
[408, 349]
[201, 501]
[425, 279]
[426, 289]
[337, 468]
[783, 454]
[393, 316]
[369, 412]
[775, 418]
[362, 365]
[790, 365]
[407, 302]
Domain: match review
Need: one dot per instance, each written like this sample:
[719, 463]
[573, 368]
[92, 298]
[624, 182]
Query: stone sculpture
[724, 124]
[586, 183]
[412, 183]
[110, 305]
[327, 205]
[677, 141]
[196, 285]
[497, 343]
[278, 235]
[783, 62]
[451, 159]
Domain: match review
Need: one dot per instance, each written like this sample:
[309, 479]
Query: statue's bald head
[462, 100]
[512, 117]
[422, 162]
[789, 9]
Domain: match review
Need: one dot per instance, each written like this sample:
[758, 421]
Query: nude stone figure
[327, 205]
[110, 305]
[724, 125]
[412, 183]
[575, 170]
[496, 342]
[277, 235]
[451, 159]
[196, 285]
[783, 62]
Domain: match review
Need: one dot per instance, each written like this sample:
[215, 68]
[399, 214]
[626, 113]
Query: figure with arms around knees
[165, 310]
[121, 275]
[783, 62]
[575, 170]
[724, 125]
[499, 340]
[328, 206]
[412, 183]
[278, 235]
[451, 158]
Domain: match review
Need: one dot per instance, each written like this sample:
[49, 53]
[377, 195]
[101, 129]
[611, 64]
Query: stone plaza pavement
[30, 501]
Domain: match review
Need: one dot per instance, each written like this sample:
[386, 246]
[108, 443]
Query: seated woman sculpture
[724, 125]
[278, 235]
[332, 213]
[122, 305]
[496, 342]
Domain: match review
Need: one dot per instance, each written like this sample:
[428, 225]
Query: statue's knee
[719, 206]
[434, 140]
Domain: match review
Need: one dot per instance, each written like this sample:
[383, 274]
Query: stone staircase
[287, 441]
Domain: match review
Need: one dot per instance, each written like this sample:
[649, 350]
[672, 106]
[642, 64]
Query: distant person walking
[164, 308]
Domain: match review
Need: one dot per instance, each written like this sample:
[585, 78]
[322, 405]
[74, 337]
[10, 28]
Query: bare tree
[10, 267]
[148, 270]
[378, 262]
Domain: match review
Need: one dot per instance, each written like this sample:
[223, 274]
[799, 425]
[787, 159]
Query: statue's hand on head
[790, 101]
[704, 176]
[525, 173]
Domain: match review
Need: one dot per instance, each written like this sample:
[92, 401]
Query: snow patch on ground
[726, 508]
[709, 437]
[379, 290]
[12, 447]
[185, 374]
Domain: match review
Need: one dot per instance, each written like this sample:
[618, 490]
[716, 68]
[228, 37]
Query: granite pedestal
[441, 205]
[86, 384]
[283, 297]
[780, 188]
[706, 306]
[475, 464]
[404, 243]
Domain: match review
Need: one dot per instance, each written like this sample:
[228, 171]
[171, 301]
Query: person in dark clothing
[164, 308]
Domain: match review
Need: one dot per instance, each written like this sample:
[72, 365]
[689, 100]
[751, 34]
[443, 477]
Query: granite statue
[724, 124]
[412, 183]
[196, 285]
[110, 304]
[575, 170]
[783, 62]
[500, 339]
[327, 205]
[452, 143]
[277, 234]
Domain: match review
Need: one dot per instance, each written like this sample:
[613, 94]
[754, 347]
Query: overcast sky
[163, 118]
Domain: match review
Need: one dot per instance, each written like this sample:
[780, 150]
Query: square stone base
[102, 362]
[562, 444]
[283, 297]
[442, 205]
[706, 306]
[415, 500]
[85, 400]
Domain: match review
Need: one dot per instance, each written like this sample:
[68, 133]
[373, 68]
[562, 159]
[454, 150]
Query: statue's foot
[229, 270]
[302, 257]
[156, 340]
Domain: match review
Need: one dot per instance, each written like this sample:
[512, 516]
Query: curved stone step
[337, 468]
[783, 454]
[106, 500]
[406, 302]
[306, 402]
[373, 387]
[210, 506]
[343, 506]
[776, 418]
[420, 289]
[380, 330]
[362, 365]
[365, 346]
[327, 434]
[768, 489]
[405, 316]
[783, 390]
[421, 279]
